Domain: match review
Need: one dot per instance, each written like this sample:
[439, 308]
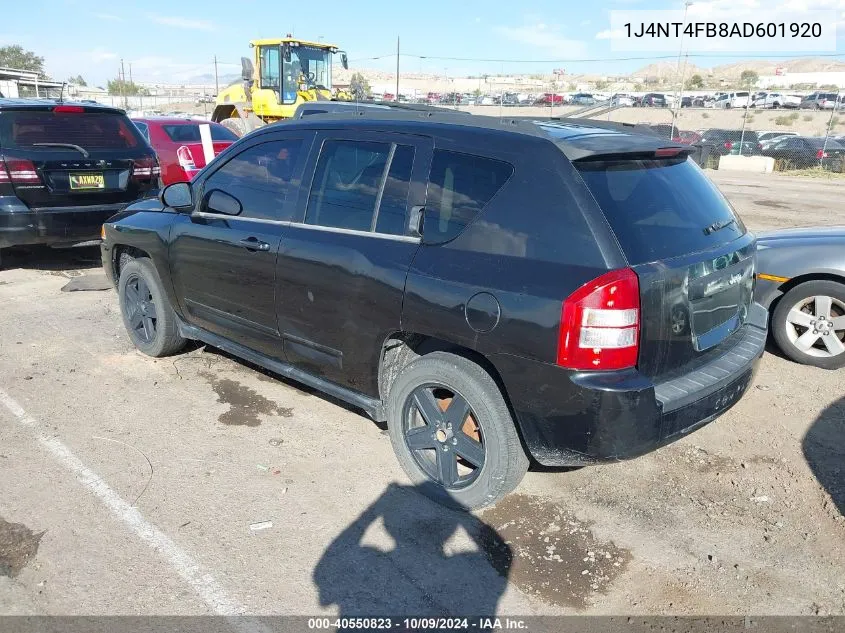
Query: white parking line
[202, 582]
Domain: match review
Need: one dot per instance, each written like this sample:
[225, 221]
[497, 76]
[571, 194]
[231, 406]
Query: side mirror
[247, 69]
[344, 60]
[178, 196]
[218, 201]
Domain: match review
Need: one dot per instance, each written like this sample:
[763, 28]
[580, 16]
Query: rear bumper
[572, 419]
[21, 226]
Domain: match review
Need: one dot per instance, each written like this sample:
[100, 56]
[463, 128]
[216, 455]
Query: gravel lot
[140, 486]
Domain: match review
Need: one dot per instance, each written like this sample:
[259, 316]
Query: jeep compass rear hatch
[691, 253]
[63, 155]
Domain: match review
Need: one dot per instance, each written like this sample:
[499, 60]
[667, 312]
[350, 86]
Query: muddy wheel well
[402, 348]
[122, 255]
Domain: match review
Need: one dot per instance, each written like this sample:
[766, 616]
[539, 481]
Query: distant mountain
[735, 69]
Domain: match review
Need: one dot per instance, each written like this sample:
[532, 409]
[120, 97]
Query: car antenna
[62, 92]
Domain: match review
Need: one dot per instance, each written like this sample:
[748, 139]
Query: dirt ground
[198, 485]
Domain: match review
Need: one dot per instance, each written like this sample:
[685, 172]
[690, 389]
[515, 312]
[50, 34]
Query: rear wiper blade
[716, 226]
[79, 149]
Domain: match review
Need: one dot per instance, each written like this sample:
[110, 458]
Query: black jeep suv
[65, 168]
[493, 290]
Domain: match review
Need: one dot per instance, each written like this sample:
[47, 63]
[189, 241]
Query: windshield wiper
[717, 226]
[79, 149]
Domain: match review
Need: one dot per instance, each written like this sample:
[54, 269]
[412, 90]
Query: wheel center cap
[442, 435]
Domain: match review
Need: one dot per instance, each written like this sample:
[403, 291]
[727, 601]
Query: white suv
[733, 100]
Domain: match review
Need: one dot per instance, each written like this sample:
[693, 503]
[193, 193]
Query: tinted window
[88, 130]
[143, 128]
[187, 133]
[659, 209]
[394, 201]
[260, 177]
[459, 185]
[346, 183]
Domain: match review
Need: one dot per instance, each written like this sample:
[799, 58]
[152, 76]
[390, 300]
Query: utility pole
[216, 84]
[680, 92]
[130, 73]
[397, 69]
[122, 81]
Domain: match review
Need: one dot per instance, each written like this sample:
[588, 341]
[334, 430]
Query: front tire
[452, 432]
[808, 324]
[147, 314]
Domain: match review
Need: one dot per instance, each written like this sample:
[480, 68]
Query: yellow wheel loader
[282, 74]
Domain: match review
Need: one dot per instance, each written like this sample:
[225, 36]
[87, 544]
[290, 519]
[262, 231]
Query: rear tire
[236, 125]
[147, 314]
[793, 319]
[483, 442]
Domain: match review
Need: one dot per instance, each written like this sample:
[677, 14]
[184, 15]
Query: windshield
[309, 67]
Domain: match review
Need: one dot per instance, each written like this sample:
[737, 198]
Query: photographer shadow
[442, 562]
[824, 450]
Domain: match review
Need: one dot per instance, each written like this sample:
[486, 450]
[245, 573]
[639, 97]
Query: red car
[178, 145]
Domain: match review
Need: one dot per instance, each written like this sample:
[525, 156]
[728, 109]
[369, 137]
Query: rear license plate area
[86, 181]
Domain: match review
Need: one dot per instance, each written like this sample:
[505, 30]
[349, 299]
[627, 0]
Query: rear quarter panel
[794, 258]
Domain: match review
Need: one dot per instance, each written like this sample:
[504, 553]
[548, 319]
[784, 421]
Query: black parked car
[493, 290]
[733, 142]
[65, 168]
[654, 100]
[801, 152]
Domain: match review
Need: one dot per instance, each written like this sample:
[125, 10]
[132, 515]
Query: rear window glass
[90, 130]
[459, 185]
[818, 143]
[184, 133]
[659, 209]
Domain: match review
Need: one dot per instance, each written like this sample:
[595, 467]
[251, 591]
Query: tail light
[69, 109]
[821, 154]
[186, 159]
[760, 146]
[146, 168]
[729, 146]
[599, 323]
[18, 171]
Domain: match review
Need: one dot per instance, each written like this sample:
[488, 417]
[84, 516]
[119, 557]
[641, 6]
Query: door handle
[254, 244]
[415, 220]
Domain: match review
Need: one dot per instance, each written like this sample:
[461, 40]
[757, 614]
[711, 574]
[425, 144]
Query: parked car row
[428, 203]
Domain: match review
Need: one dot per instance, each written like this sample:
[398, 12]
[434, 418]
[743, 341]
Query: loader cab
[289, 67]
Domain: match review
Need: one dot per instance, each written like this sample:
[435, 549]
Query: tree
[77, 81]
[359, 86]
[19, 59]
[696, 82]
[126, 88]
[602, 85]
[749, 78]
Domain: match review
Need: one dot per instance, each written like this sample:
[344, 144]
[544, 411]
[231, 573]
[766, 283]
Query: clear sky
[177, 40]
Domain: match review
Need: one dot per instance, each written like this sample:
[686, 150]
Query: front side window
[260, 178]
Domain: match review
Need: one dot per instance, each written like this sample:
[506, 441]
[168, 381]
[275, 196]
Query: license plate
[87, 181]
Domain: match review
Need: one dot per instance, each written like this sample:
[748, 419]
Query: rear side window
[350, 191]
[459, 185]
[346, 184]
[89, 130]
[187, 133]
[660, 209]
[143, 128]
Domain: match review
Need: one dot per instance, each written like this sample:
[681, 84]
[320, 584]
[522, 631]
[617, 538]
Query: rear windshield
[89, 130]
[660, 209]
[731, 135]
[818, 143]
[186, 133]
